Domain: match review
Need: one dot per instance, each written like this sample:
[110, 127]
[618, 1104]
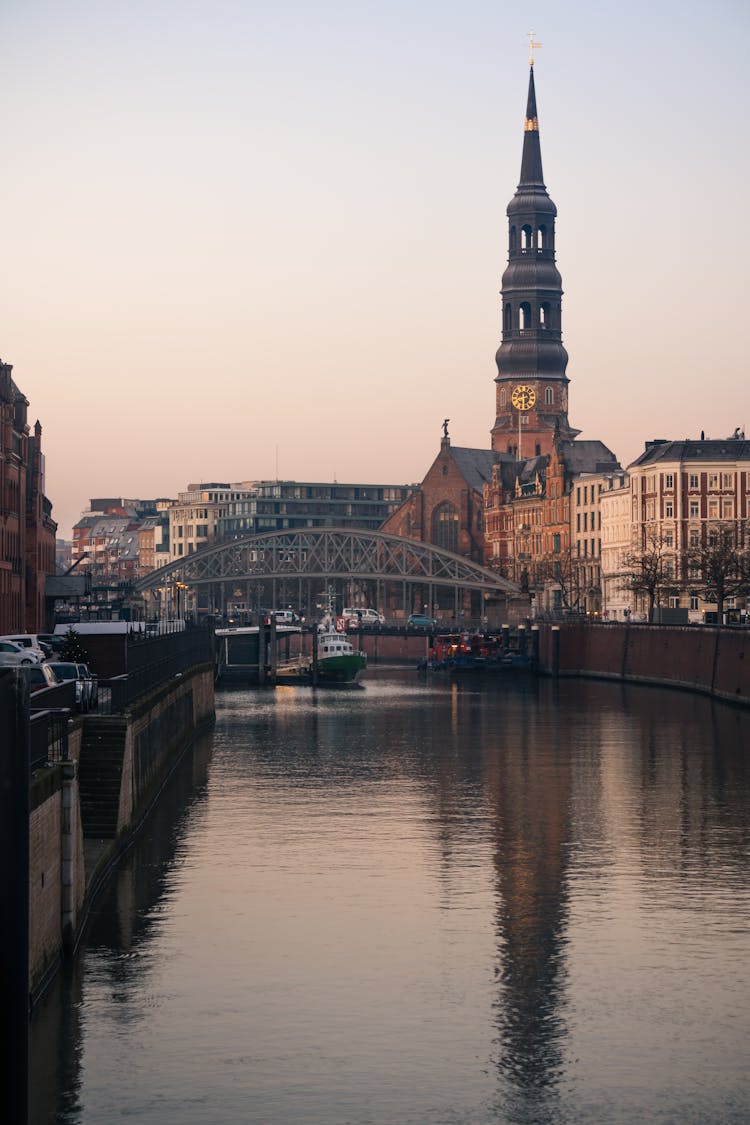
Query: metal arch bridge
[327, 554]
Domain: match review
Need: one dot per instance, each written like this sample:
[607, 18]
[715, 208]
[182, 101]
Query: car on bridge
[420, 621]
[368, 618]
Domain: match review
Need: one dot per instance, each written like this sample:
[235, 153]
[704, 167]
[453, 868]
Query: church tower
[532, 387]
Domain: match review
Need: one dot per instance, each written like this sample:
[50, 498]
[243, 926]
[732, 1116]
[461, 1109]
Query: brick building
[27, 530]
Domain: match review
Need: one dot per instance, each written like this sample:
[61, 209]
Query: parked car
[420, 621]
[40, 676]
[11, 654]
[285, 617]
[53, 641]
[28, 642]
[354, 616]
[87, 685]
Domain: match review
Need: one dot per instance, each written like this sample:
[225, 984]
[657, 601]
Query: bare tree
[718, 567]
[649, 572]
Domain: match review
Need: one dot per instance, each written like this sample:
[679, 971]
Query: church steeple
[531, 357]
[531, 161]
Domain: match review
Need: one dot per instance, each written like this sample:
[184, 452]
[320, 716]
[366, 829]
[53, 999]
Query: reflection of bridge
[296, 566]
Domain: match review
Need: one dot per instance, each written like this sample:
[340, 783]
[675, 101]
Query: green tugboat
[338, 660]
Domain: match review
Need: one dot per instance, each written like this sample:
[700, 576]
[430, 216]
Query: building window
[502, 396]
[669, 509]
[727, 509]
[694, 509]
[693, 601]
[693, 481]
[713, 480]
[727, 480]
[445, 527]
[695, 537]
[556, 543]
[713, 509]
[669, 481]
[549, 396]
[668, 539]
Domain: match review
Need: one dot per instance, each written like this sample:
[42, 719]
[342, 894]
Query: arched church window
[526, 237]
[508, 318]
[512, 238]
[549, 396]
[541, 238]
[445, 526]
[524, 315]
[502, 396]
[544, 314]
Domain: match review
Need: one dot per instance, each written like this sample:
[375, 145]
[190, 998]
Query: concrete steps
[100, 775]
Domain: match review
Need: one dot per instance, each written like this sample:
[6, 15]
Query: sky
[244, 240]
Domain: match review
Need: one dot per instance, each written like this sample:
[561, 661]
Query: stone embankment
[698, 658]
[84, 811]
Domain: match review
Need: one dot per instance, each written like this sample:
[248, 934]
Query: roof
[475, 465]
[588, 457]
[726, 449]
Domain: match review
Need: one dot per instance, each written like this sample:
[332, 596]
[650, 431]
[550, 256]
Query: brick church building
[509, 505]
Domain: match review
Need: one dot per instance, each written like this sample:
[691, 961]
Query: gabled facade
[529, 524]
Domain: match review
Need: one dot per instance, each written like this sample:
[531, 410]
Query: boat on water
[338, 661]
[458, 654]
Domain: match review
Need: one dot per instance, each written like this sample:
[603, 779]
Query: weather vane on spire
[532, 45]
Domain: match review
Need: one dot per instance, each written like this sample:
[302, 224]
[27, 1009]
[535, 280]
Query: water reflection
[426, 902]
[118, 935]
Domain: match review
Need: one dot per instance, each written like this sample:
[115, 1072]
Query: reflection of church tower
[532, 785]
[532, 387]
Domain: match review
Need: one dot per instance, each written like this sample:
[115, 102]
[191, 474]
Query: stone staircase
[100, 775]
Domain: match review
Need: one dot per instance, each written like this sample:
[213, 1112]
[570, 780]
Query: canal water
[424, 903]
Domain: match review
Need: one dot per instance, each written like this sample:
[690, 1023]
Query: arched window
[526, 237]
[508, 318]
[445, 526]
[524, 315]
[541, 238]
[502, 396]
[512, 238]
[549, 396]
[544, 314]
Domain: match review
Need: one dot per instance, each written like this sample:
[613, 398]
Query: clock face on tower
[523, 397]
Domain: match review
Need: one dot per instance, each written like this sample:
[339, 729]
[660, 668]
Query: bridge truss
[299, 565]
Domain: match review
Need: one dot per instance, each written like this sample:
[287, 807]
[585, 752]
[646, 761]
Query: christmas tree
[72, 649]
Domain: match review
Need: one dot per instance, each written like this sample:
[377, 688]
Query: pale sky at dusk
[243, 239]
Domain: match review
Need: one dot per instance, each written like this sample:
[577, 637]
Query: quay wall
[68, 863]
[699, 658]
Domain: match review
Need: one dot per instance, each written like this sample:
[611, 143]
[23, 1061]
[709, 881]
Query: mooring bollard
[535, 645]
[555, 650]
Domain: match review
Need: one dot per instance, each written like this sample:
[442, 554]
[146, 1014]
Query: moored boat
[338, 661]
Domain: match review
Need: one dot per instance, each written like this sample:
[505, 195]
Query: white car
[369, 618]
[25, 654]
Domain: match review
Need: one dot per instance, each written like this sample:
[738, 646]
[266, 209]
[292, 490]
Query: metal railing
[151, 662]
[48, 736]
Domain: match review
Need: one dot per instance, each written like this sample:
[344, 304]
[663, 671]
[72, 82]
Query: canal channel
[424, 902]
